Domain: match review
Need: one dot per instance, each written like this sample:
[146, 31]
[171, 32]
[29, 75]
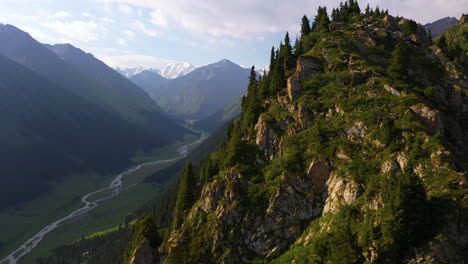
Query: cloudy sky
[149, 33]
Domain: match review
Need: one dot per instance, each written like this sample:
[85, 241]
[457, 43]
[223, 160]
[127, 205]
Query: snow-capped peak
[171, 70]
[177, 69]
[129, 72]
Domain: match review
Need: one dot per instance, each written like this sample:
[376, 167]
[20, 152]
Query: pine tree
[321, 20]
[186, 196]
[150, 231]
[324, 20]
[278, 78]
[298, 50]
[251, 107]
[252, 79]
[442, 42]
[398, 63]
[209, 168]
[272, 58]
[334, 15]
[368, 10]
[377, 12]
[305, 27]
[356, 8]
[286, 53]
[385, 13]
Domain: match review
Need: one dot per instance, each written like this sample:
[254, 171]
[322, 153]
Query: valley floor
[66, 198]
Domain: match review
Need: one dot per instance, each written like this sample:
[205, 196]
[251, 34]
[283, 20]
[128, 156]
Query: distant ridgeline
[63, 112]
[352, 149]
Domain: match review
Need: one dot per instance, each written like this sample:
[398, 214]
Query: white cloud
[143, 28]
[158, 18]
[41, 36]
[224, 41]
[122, 42]
[126, 9]
[129, 33]
[60, 14]
[107, 20]
[253, 19]
[86, 14]
[133, 60]
[85, 31]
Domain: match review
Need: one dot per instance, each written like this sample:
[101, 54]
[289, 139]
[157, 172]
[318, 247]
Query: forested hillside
[352, 149]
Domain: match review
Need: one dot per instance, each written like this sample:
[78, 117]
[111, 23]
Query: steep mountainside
[454, 43]
[220, 117]
[49, 132]
[96, 119]
[440, 26]
[149, 81]
[353, 149]
[98, 71]
[202, 92]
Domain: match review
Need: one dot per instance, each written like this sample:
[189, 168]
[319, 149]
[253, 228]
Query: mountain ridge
[440, 26]
[201, 92]
[171, 70]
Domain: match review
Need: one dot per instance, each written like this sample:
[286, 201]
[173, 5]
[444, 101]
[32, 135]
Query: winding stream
[115, 186]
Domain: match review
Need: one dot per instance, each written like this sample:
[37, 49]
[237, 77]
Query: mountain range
[64, 112]
[170, 71]
[200, 93]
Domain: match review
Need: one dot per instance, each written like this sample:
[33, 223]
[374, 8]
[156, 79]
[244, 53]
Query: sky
[152, 33]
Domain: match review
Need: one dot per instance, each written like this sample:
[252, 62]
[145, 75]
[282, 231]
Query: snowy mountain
[174, 70]
[169, 71]
[129, 72]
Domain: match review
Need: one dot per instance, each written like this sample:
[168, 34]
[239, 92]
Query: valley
[120, 183]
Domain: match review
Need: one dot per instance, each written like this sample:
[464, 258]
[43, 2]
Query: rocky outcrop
[307, 67]
[390, 166]
[294, 89]
[357, 132]
[392, 90]
[341, 191]
[319, 173]
[267, 138]
[295, 200]
[144, 254]
[431, 117]
[303, 117]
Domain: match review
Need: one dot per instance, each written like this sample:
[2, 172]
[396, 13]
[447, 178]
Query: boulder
[341, 191]
[307, 67]
[294, 89]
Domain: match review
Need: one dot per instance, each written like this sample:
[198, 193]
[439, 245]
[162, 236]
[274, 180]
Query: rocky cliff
[360, 156]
